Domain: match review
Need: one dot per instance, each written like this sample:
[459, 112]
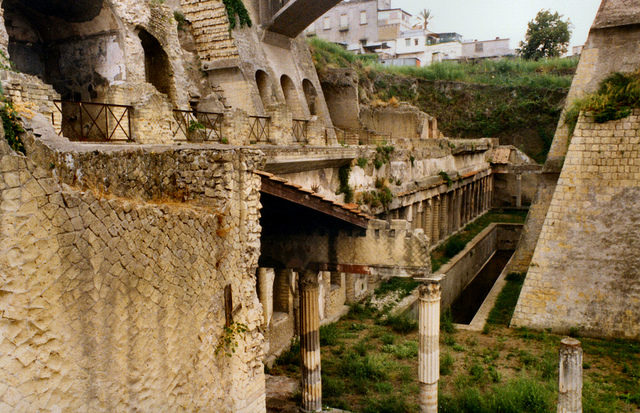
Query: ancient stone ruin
[183, 204]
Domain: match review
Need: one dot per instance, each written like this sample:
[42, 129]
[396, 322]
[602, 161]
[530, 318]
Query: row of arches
[291, 95]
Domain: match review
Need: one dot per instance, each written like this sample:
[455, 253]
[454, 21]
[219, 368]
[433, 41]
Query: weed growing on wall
[345, 188]
[229, 341]
[446, 178]
[616, 97]
[235, 8]
[12, 127]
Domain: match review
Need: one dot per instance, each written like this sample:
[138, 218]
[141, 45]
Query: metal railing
[300, 130]
[198, 126]
[259, 128]
[90, 121]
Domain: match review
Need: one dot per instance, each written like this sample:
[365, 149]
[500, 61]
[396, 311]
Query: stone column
[266, 277]
[429, 347]
[310, 342]
[467, 203]
[570, 377]
[518, 190]
[457, 212]
[428, 219]
[444, 215]
[435, 228]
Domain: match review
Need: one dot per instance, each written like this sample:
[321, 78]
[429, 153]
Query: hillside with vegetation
[516, 100]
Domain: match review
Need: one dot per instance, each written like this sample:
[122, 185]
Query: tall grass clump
[502, 311]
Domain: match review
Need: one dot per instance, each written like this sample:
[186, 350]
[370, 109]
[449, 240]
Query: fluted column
[429, 350]
[444, 215]
[570, 377]
[435, 234]
[518, 190]
[428, 220]
[310, 342]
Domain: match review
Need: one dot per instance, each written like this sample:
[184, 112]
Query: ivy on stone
[236, 8]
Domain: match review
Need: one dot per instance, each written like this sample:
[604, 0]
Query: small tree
[547, 36]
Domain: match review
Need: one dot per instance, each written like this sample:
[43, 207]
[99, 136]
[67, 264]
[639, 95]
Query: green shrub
[345, 188]
[387, 338]
[406, 350]
[446, 322]
[453, 246]
[235, 8]
[290, 358]
[362, 162]
[389, 404]
[12, 127]
[367, 367]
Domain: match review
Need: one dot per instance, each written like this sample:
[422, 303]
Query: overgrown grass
[368, 366]
[545, 73]
[458, 242]
[502, 311]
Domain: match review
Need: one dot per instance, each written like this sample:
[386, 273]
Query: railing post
[570, 376]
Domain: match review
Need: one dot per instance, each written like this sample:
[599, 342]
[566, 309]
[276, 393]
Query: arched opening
[157, 68]
[291, 96]
[74, 46]
[311, 96]
[264, 88]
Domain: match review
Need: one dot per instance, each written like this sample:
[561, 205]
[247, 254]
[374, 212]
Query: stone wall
[609, 48]
[113, 266]
[584, 271]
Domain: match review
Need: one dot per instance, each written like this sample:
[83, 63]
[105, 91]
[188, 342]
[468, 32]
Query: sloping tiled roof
[280, 187]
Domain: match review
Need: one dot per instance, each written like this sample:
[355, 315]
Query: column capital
[308, 279]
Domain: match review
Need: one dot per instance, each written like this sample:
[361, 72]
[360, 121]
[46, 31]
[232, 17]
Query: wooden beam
[307, 200]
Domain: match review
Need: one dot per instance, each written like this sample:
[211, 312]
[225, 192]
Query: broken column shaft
[570, 377]
[429, 351]
[310, 342]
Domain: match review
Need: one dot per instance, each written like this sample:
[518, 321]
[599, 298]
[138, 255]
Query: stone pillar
[435, 228]
[417, 222]
[491, 192]
[310, 342]
[518, 190]
[570, 377]
[429, 347]
[266, 277]
[467, 209]
[457, 209]
[444, 216]
[427, 218]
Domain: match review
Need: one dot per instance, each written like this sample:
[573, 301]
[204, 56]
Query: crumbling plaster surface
[584, 271]
[113, 265]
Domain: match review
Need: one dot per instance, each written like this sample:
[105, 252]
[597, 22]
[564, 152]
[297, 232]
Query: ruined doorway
[310, 95]
[291, 96]
[157, 68]
[74, 46]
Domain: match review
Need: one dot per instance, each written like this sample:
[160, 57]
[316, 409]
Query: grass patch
[402, 323]
[456, 243]
[502, 311]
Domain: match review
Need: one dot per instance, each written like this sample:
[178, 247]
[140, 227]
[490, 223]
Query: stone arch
[291, 96]
[74, 46]
[264, 88]
[157, 67]
[311, 96]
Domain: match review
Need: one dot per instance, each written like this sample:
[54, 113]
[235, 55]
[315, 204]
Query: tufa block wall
[584, 271]
[111, 302]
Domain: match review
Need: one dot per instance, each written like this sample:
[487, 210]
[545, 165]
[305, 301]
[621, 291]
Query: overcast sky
[488, 19]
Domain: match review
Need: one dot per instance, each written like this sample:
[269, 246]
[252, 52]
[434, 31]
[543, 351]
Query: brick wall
[584, 271]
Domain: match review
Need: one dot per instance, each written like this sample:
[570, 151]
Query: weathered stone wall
[609, 48]
[584, 271]
[113, 267]
[404, 121]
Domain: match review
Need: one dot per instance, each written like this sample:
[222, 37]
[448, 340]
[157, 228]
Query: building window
[479, 47]
[363, 17]
[327, 23]
[407, 42]
[344, 22]
[415, 42]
